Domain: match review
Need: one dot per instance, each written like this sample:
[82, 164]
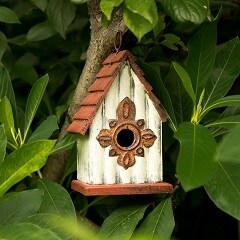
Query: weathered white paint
[94, 164]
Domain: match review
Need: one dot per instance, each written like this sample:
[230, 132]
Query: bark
[102, 43]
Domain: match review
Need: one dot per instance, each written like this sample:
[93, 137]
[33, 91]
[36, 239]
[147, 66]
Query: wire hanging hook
[118, 41]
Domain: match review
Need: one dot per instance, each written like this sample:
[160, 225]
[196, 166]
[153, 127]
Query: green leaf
[41, 31]
[33, 101]
[159, 224]
[154, 78]
[79, 1]
[225, 71]
[52, 222]
[3, 44]
[6, 118]
[22, 231]
[140, 16]
[171, 41]
[195, 163]
[56, 199]
[122, 222]
[224, 188]
[40, 4]
[8, 16]
[227, 150]
[185, 80]
[71, 163]
[26, 73]
[60, 14]
[108, 6]
[6, 89]
[202, 51]
[64, 227]
[182, 103]
[15, 207]
[160, 26]
[194, 11]
[65, 143]
[45, 129]
[22, 162]
[233, 100]
[227, 122]
[3, 143]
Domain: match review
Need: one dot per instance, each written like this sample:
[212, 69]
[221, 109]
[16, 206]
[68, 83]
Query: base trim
[121, 189]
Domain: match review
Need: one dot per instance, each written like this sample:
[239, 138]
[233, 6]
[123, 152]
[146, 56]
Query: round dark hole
[125, 138]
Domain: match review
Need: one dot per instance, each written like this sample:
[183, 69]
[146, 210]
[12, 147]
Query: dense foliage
[189, 52]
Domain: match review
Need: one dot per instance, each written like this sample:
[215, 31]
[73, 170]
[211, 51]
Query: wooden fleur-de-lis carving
[126, 136]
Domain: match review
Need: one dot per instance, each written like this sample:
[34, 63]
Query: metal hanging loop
[118, 41]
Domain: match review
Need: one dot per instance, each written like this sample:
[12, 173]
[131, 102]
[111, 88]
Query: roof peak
[98, 90]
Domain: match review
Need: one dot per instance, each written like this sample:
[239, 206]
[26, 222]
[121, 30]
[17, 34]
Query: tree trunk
[102, 43]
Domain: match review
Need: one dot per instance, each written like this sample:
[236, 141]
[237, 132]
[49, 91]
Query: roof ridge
[98, 90]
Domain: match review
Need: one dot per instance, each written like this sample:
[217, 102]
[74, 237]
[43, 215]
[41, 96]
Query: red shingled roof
[98, 90]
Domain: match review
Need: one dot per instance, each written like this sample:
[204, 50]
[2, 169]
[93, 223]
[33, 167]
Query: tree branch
[101, 45]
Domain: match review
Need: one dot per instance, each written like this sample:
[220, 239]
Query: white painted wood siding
[94, 164]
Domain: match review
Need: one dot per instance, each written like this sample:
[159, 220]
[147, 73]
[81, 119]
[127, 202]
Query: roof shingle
[98, 90]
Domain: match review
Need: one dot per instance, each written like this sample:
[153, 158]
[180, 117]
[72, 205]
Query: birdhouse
[119, 124]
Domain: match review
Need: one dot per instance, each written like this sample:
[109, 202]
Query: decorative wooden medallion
[126, 135]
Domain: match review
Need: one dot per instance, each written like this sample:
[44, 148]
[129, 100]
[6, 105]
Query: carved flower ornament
[126, 135]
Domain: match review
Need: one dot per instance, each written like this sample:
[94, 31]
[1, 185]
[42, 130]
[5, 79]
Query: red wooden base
[121, 189]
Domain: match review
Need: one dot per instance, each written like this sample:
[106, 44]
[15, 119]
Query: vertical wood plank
[111, 103]
[138, 171]
[154, 153]
[96, 152]
[82, 159]
[123, 176]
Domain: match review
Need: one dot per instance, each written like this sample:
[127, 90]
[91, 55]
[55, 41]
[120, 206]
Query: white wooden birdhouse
[119, 124]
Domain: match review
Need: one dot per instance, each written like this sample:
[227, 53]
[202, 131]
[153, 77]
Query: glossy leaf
[194, 11]
[224, 188]
[160, 26]
[3, 143]
[52, 222]
[6, 118]
[16, 207]
[45, 129]
[227, 150]
[41, 31]
[22, 162]
[172, 41]
[108, 6]
[228, 122]
[40, 4]
[71, 163]
[154, 78]
[3, 44]
[126, 218]
[8, 16]
[64, 227]
[140, 16]
[195, 163]
[225, 71]
[56, 199]
[33, 101]
[202, 51]
[79, 1]
[61, 13]
[185, 80]
[233, 100]
[65, 143]
[22, 231]
[6, 89]
[159, 224]
[182, 103]
[26, 72]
